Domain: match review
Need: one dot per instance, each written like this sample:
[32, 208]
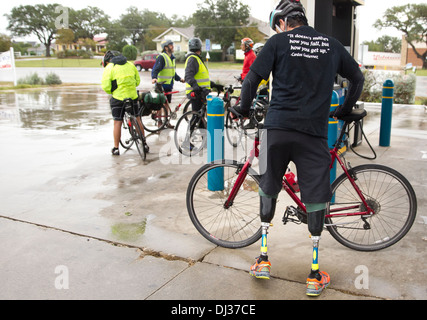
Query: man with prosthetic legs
[296, 124]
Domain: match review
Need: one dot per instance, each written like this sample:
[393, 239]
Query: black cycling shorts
[310, 155]
[118, 110]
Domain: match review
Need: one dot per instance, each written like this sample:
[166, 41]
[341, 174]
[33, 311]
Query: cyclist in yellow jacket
[120, 79]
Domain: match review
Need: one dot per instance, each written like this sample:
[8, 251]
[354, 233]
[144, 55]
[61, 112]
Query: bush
[130, 52]
[215, 56]
[371, 91]
[52, 79]
[32, 79]
[404, 88]
[74, 54]
[84, 54]
[180, 56]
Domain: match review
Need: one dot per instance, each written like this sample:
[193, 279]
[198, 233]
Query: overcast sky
[368, 14]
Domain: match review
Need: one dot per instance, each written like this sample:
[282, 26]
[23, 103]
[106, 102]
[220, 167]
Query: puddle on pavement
[129, 231]
[64, 108]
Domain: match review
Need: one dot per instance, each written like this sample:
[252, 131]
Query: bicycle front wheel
[387, 192]
[138, 137]
[190, 135]
[235, 226]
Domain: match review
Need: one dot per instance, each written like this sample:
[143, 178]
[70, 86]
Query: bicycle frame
[334, 157]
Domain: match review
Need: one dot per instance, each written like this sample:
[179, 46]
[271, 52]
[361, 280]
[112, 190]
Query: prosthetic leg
[316, 280]
[261, 267]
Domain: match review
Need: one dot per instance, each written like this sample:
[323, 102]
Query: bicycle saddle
[354, 115]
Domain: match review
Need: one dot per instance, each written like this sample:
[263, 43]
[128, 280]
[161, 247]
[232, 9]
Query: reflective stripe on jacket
[202, 76]
[167, 74]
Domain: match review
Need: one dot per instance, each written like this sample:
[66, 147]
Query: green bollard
[386, 113]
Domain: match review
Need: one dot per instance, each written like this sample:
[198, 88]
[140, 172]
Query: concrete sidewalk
[77, 223]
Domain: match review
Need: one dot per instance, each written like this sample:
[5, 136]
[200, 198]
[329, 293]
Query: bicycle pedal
[294, 215]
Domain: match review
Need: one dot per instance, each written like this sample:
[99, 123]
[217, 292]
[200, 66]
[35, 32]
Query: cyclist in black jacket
[304, 64]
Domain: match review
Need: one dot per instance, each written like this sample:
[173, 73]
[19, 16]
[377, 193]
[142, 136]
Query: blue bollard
[333, 133]
[386, 113]
[215, 145]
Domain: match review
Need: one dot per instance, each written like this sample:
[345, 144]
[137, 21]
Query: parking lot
[120, 227]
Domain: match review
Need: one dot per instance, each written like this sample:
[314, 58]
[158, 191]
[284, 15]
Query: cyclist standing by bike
[297, 120]
[247, 45]
[120, 78]
[164, 69]
[197, 82]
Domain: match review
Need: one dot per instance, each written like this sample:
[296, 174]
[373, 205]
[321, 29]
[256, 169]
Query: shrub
[180, 56]
[32, 79]
[404, 88]
[371, 90]
[130, 52]
[84, 54]
[52, 79]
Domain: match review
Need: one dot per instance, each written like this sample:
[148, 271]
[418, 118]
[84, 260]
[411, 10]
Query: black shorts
[118, 110]
[310, 155]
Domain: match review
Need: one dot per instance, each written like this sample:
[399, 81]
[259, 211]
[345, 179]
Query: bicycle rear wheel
[156, 120]
[236, 226]
[138, 138]
[190, 135]
[387, 192]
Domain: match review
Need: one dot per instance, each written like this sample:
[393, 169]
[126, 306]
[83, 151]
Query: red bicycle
[373, 206]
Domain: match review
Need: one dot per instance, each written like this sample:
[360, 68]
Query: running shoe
[115, 151]
[261, 268]
[315, 286]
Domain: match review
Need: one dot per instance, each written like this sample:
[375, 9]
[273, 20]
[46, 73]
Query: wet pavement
[78, 223]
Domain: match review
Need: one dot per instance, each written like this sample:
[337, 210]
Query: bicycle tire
[391, 196]
[126, 139]
[190, 142]
[233, 130]
[187, 108]
[156, 120]
[138, 138]
[235, 227]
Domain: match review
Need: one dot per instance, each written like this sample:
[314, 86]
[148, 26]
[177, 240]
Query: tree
[411, 19]
[385, 44]
[139, 23]
[38, 20]
[219, 20]
[116, 35]
[65, 36]
[5, 43]
[88, 22]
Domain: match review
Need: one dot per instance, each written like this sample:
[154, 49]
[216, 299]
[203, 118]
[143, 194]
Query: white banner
[7, 61]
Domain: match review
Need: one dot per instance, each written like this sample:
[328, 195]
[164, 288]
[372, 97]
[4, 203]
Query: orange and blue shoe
[316, 283]
[261, 268]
